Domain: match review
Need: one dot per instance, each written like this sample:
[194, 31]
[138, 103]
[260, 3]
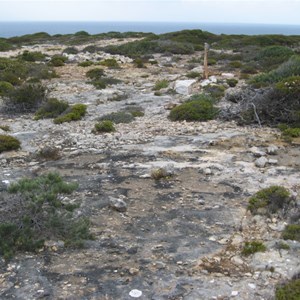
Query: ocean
[10, 29]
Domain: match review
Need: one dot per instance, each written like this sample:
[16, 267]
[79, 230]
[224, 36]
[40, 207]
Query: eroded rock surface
[175, 238]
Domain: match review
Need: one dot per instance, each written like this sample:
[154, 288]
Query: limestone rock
[118, 204]
[184, 87]
[272, 150]
[261, 162]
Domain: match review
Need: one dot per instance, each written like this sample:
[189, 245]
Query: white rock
[234, 293]
[273, 161]
[118, 204]
[257, 152]
[272, 150]
[261, 162]
[227, 75]
[184, 87]
[252, 286]
[135, 293]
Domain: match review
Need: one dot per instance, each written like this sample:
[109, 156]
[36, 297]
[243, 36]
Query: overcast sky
[228, 11]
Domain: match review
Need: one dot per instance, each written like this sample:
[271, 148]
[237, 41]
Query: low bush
[5, 128]
[91, 49]
[139, 63]
[161, 84]
[71, 50]
[58, 60]
[52, 108]
[49, 153]
[160, 173]
[193, 75]
[199, 108]
[32, 56]
[104, 126]
[291, 132]
[211, 61]
[289, 290]
[85, 64]
[95, 73]
[235, 64]
[253, 247]
[5, 87]
[8, 143]
[26, 98]
[215, 91]
[110, 63]
[39, 214]
[269, 200]
[291, 232]
[118, 117]
[232, 82]
[73, 113]
[272, 56]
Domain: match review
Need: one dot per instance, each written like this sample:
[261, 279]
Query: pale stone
[184, 87]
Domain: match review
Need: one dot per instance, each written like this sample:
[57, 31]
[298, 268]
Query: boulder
[184, 87]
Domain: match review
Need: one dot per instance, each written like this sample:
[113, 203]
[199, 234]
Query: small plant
[200, 108]
[25, 98]
[283, 246]
[118, 117]
[291, 232]
[110, 63]
[40, 214]
[58, 60]
[5, 87]
[269, 200]
[103, 82]
[32, 56]
[104, 126]
[289, 290]
[215, 91]
[139, 63]
[74, 113]
[235, 64]
[8, 143]
[232, 82]
[85, 64]
[159, 173]
[193, 74]
[95, 73]
[71, 50]
[253, 247]
[291, 132]
[161, 84]
[51, 109]
[5, 128]
[49, 153]
[211, 61]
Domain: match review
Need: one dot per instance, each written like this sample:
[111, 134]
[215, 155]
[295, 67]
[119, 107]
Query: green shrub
[272, 56]
[285, 70]
[283, 246]
[87, 63]
[71, 50]
[58, 60]
[139, 63]
[211, 61]
[5, 87]
[4, 45]
[291, 232]
[110, 63]
[32, 56]
[13, 71]
[289, 290]
[103, 82]
[232, 82]
[81, 33]
[253, 247]
[41, 215]
[160, 173]
[291, 132]
[118, 117]
[74, 113]
[104, 126]
[5, 128]
[215, 91]
[235, 64]
[95, 74]
[161, 84]
[91, 49]
[269, 200]
[52, 108]
[49, 153]
[8, 143]
[26, 98]
[248, 69]
[200, 108]
[193, 75]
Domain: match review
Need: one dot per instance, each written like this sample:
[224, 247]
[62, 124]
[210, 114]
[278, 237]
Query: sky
[201, 11]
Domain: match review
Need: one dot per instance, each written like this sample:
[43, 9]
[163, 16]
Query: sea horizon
[17, 28]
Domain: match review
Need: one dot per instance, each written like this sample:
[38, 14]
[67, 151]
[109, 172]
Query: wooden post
[205, 70]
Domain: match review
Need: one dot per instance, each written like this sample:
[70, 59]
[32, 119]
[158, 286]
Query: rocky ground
[177, 238]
